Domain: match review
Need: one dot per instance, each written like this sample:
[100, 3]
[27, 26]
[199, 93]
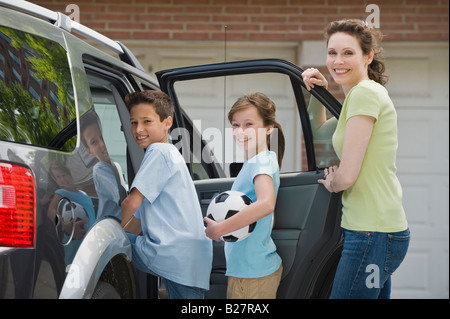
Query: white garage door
[419, 87]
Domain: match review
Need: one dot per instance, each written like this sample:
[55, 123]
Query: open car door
[307, 217]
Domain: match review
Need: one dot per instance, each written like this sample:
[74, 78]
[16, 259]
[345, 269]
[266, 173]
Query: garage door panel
[416, 77]
[419, 88]
[420, 275]
[425, 200]
[423, 141]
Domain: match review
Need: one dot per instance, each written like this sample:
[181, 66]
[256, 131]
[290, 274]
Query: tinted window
[36, 95]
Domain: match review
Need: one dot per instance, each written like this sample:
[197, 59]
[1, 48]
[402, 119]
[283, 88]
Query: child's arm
[130, 205]
[263, 206]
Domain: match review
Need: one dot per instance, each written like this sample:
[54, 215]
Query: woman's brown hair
[369, 39]
[267, 110]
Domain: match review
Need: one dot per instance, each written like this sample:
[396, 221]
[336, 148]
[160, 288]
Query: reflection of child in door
[79, 201]
[105, 172]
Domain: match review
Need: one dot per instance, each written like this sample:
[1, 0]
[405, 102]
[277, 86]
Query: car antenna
[224, 93]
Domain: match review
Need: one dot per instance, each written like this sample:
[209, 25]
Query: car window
[323, 125]
[207, 102]
[105, 107]
[37, 104]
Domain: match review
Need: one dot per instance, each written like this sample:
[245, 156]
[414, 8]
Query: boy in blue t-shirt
[173, 244]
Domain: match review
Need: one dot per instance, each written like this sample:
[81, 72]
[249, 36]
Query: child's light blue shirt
[107, 191]
[174, 244]
[255, 256]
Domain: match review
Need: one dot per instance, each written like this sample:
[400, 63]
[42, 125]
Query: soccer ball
[224, 206]
[78, 211]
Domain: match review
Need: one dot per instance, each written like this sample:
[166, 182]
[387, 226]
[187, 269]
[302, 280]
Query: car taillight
[17, 206]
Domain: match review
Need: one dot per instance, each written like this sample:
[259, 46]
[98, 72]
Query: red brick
[281, 11]
[266, 36]
[243, 27]
[268, 2]
[203, 27]
[150, 35]
[321, 11]
[269, 19]
[204, 10]
[231, 36]
[199, 36]
[308, 2]
[190, 2]
[152, 18]
[127, 9]
[281, 27]
[111, 17]
[117, 35]
[229, 19]
[166, 26]
[191, 18]
[243, 10]
[255, 20]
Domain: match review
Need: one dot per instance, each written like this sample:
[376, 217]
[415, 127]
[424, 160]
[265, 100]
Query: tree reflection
[36, 93]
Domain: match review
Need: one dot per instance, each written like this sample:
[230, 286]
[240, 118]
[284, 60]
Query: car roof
[63, 22]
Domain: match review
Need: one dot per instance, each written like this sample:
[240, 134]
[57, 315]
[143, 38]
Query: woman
[376, 235]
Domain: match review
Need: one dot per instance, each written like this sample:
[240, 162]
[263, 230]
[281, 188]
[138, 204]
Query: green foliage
[25, 119]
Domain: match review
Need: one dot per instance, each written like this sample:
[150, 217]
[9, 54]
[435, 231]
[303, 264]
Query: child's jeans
[178, 291]
[367, 263]
[174, 290]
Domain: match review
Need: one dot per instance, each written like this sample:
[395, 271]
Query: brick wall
[254, 20]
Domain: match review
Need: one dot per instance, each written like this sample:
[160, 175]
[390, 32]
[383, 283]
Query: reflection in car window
[323, 125]
[36, 92]
[105, 173]
[207, 102]
[106, 109]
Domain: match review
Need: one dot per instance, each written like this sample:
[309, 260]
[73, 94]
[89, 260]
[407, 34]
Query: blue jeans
[179, 291]
[367, 262]
[174, 290]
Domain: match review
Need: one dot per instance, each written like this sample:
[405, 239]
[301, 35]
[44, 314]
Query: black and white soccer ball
[79, 213]
[224, 206]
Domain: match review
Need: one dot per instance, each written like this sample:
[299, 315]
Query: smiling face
[346, 61]
[63, 178]
[249, 131]
[95, 145]
[146, 126]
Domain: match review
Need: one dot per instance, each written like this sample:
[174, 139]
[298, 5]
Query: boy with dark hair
[173, 244]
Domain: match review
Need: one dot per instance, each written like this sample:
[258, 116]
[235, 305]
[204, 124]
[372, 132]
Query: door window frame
[168, 78]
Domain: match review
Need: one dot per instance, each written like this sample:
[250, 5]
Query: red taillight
[17, 206]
